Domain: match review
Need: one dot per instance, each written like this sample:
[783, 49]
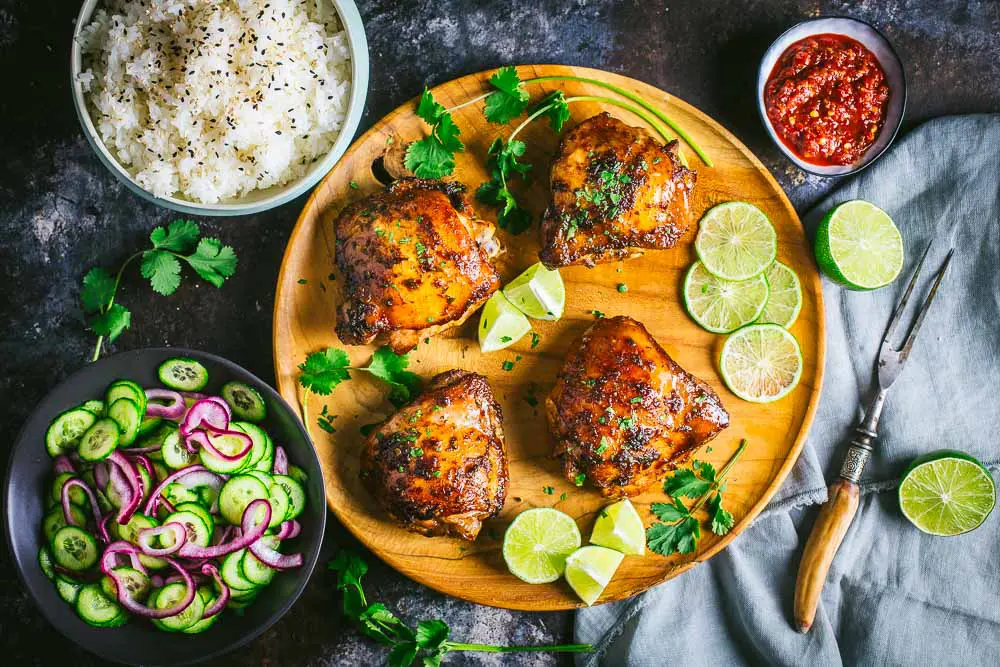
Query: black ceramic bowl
[138, 642]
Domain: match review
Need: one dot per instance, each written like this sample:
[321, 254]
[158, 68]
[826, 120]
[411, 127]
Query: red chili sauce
[826, 99]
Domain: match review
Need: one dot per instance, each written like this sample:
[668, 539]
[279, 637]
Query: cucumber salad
[167, 503]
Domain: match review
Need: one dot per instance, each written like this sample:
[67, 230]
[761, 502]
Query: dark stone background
[61, 212]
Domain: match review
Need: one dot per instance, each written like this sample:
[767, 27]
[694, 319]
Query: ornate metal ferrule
[861, 446]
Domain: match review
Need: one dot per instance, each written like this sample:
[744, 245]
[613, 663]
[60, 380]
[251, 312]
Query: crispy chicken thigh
[415, 261]
[439, 465]
[615, 190]
[624, 413]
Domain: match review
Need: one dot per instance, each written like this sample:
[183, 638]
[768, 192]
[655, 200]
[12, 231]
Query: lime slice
[589, 569]
[538, 293]
[947, 493]
[858, 246]
[501, 324]
[761, 363]
[619, 527]
[537, 544]
[784, 300]
[720, 305]
[736, 241]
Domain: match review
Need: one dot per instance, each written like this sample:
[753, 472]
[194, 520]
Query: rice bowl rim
[258, 200]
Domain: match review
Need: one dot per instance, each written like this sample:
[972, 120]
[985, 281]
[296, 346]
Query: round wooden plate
[308, 294]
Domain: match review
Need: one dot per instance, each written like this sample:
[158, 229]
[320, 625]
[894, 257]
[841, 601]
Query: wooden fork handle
[828, 532]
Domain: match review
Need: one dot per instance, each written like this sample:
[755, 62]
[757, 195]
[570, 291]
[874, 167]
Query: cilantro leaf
[391, 369]
[403, 654]
[662, 538]
[428, 158]
[428, 109]
[509, 99]
[669, 512]
[163, 270]
[722, 520]
[705, 470]
[556, 109]
[685, 483]
[689, 532]
[349, 566]
[98, 289]
[322, 371]
[112, 322]
[447, 133]
[179, 236]
[430, 634]
[503, 163]
[213, 261]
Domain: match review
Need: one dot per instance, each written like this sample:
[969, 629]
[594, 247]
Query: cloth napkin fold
[894, 596]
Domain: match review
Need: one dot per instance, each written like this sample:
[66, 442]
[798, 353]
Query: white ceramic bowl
[875, 42]
[259, 200]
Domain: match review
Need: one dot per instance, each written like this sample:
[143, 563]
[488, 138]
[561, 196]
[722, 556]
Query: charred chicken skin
[615, 191]
[415, 261]
[439, 465]
[624, 413]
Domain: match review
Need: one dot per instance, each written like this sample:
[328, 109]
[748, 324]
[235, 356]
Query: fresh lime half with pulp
[721, 306]
[537, 544]
[761, 362]
[736, 241]
[589, 571]
[538, 292]
[947, 493]
[501, 324]
[859, 246]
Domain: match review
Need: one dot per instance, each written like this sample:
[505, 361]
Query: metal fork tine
[904, 353]
[901, 306]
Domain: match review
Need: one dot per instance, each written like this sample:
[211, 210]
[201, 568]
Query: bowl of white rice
[219, 107]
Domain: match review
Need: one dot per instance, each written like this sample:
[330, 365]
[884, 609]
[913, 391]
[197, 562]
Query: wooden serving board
[308, 294]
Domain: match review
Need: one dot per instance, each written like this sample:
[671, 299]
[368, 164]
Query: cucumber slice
[74, 549]
[207, 597]
[136, 583]
[266, 463]
[255, 570]
[280, 504]
[156, 437]
[237, 494]
[227, 445]
[128, 416]
[296, 495]
[68, 589]
[199, 532]
[65, 431]
[265, 477]
[232, 574]
[261, 440]
[183, 374]
[199, 509]
[177, 493]
[169, 596]
[148, 425]
[126, 389]
[76, 496]
[56, 519]
[175, 454]
[102, 438]
[96, 608]
[94, 406]
[245, 401]
[298, 474]
[130, 533]
[45, 562]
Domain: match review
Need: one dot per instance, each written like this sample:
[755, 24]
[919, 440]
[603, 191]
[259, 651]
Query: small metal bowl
[875, 42]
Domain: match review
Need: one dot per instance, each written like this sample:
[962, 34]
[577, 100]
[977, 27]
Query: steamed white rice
[209, 100]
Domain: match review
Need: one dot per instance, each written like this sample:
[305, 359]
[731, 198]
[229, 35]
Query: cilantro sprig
[322, 371]
[434, 155]
[428, 643]
[172, 246]
[679, 530]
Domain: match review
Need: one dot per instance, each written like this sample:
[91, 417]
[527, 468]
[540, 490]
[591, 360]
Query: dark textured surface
[62, 212]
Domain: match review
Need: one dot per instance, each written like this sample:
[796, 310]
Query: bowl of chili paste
[831, 93]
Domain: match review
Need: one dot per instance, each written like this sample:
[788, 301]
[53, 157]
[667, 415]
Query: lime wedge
[537, 544]
[858, 246]
[784, 300]
[736, 241]
[761, 363]
[619, 527]
[589, 570]
[501, 324]
[947, 493]
[538, 293]
[720, 305]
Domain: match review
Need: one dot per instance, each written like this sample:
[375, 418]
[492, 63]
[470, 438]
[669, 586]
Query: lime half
[589, 570]
[736, 241]
[619, 527]
[858, 246]
[501, 324]
[538, 293]
[720, 305]
[947, 493]
[537, 544]
[784, 299]
[761, 363]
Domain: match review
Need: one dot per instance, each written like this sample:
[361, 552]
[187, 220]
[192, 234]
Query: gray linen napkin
[894, 596]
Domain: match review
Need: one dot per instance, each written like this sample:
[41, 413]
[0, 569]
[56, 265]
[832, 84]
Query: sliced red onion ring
[273, 558]
[146, 536]
[122, 547]
[173, 409]
[102, 475]
[220, 602]
[140, 609]
[132, 475]
[289, 530]
[102, 528]
[136, 451]
[144, 462]
[206, 413]
[62, 464]
[202, 477]
[251, 533]
[280, 466]
[67, 505]
[211, 442]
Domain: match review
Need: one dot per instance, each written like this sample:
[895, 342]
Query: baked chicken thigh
[624, 413]
[415, 261]
[439, 465]
[615, 191]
